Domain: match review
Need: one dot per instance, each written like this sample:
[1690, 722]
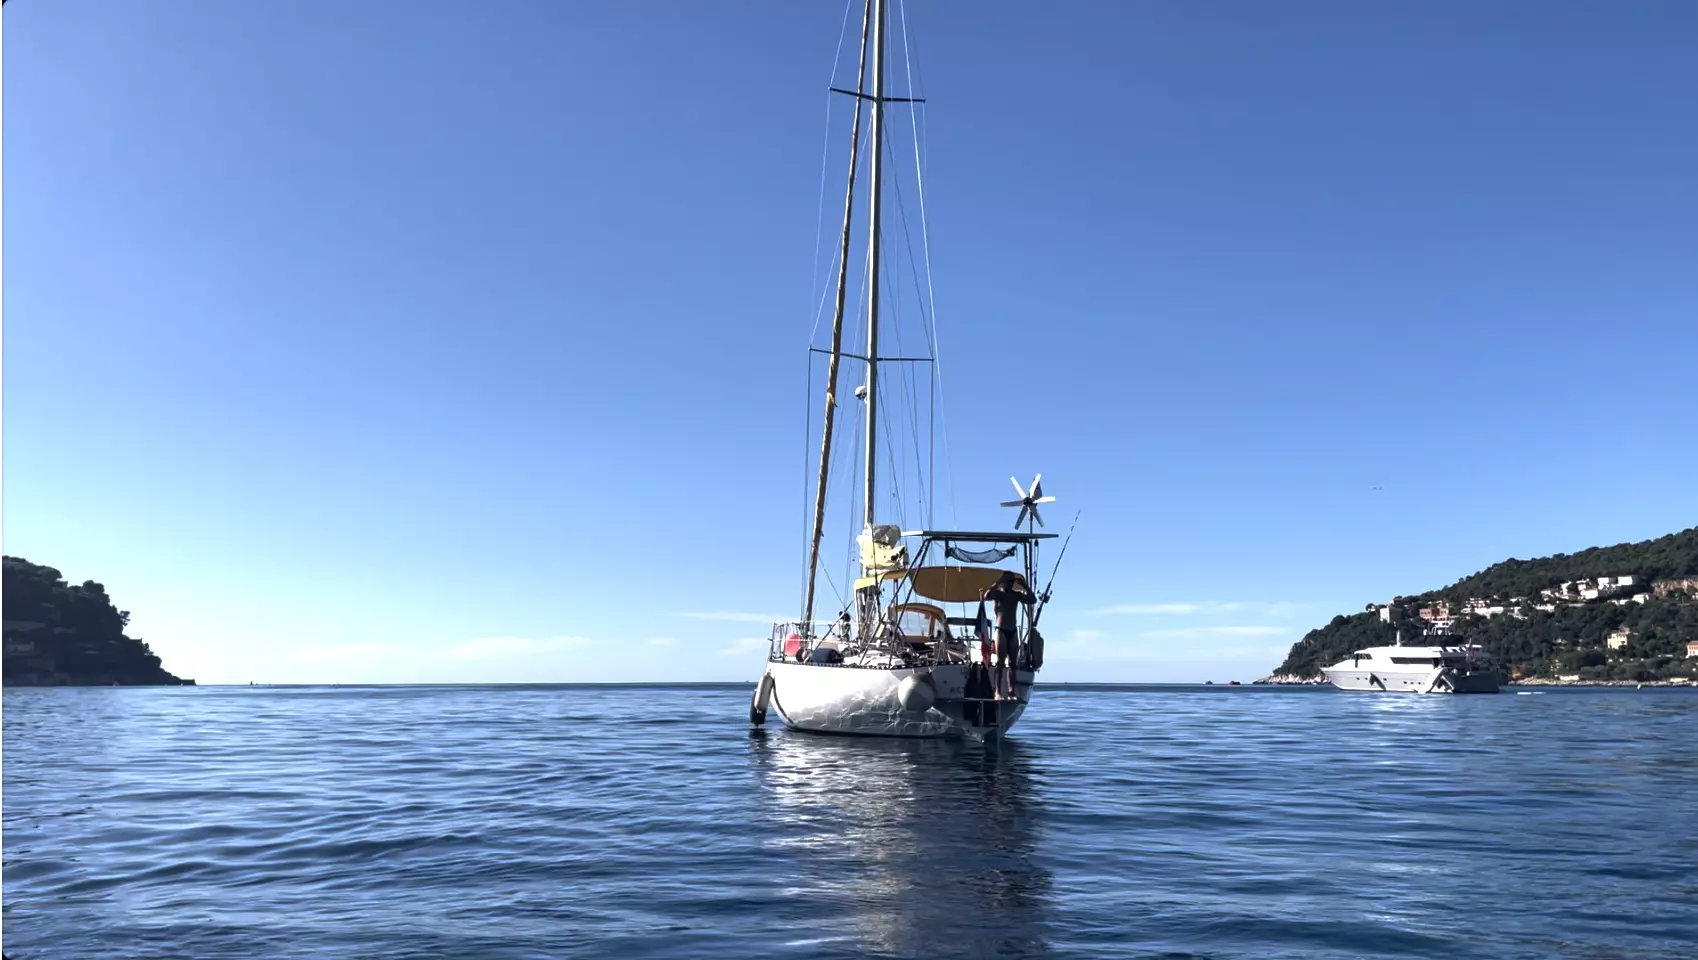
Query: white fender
[763, 696]
[916, 693]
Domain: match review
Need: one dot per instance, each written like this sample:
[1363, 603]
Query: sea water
[571, 821]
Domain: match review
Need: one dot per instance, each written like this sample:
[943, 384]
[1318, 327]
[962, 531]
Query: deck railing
[789, 636]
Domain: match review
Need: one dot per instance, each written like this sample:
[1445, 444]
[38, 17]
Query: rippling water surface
[533, 822]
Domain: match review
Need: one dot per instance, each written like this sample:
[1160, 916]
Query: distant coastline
[1605, 616]
[1285, 681]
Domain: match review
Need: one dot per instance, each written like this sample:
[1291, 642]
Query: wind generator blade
[1013, 503]
[1044, 500]
[1021, 493]
[1038, 485]
[1037, 516]
[1020, 521]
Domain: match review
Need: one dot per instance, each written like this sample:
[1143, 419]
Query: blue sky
[417, 342]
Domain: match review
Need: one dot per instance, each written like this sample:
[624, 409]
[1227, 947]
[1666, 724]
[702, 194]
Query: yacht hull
[1408, 681]
[865, 701]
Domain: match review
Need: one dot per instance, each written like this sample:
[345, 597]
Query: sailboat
[938, 636]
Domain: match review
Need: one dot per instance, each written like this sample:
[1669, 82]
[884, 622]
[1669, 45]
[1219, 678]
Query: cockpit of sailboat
[910, 631]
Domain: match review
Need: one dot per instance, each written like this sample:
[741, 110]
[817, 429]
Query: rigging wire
[898, 468]
[825, 291]
[908, 378]
[807, 431]
[895, 476]
[926, 490]
[908, 384]
[892, 451]
[854, 471]
[819, 308]
[916, 119]
[825, 159]
[842, 463]
[835, 591]
[848, 457]
[819, 223]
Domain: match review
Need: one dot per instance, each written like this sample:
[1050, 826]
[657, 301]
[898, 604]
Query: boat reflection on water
[912, 847]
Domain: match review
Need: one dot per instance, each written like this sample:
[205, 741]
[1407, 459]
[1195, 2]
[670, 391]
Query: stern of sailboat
[912, 652]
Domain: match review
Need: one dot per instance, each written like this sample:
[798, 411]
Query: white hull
[863, 700]
[1409, 681]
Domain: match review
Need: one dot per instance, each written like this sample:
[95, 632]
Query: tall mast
[875, 171]
[837, 320]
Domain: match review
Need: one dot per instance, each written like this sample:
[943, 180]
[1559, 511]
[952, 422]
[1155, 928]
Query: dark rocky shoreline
[57, 635]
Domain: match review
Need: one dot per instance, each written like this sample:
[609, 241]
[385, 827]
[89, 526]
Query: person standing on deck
[1006, 596]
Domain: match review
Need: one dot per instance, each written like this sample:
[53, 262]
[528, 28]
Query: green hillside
[1675, 555]
[1570, 640]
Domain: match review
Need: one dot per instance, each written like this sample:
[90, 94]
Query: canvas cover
[945, 584]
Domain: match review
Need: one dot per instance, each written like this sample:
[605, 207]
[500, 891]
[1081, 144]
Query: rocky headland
[59, 634]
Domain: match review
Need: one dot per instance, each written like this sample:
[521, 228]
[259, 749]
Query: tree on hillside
[1675, 555]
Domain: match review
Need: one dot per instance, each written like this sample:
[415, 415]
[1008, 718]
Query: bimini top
[979, 536]
[946, 584]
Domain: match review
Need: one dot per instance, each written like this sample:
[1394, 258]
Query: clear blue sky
[451, 341]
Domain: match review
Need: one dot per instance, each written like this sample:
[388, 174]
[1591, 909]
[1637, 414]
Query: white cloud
[485, 648]
[745, 645]
[1141, 609]
[661, 641]
[1087, 634]
[734, 616]
[1280, 609]
[1256, 631]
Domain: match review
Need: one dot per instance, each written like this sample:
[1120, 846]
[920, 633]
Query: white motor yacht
[1463, 668]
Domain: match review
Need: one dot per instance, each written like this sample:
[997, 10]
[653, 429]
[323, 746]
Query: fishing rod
[1043, 598]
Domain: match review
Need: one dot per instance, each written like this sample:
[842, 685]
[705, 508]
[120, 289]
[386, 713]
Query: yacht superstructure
[1416, 669]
